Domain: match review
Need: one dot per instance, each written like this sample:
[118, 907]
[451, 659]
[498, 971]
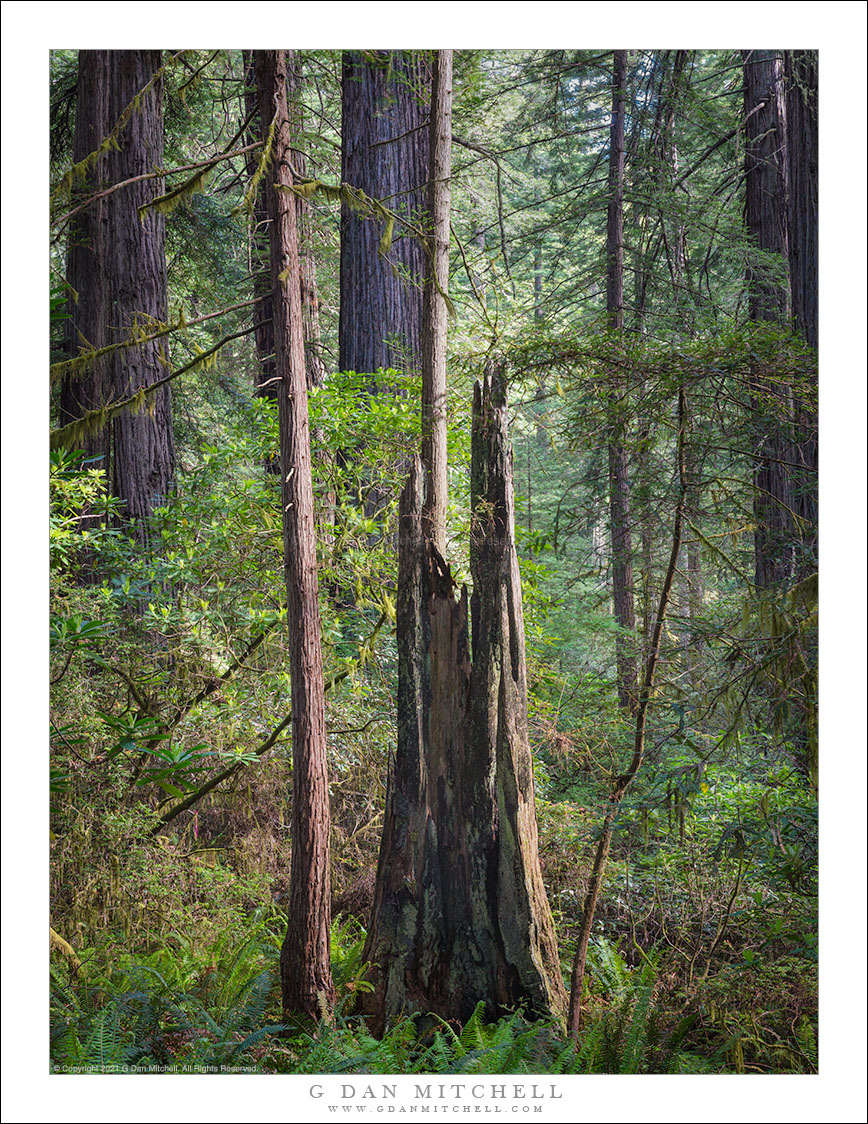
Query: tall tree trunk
[266, 386]
[803, 154]
[265, 380]
[304, 959]
[85, 268]
[384, 152]
[314, 364]
[434, 333]
[677, 257]
[460, 913]
[766, 219]
[619, 479]
[143, 443]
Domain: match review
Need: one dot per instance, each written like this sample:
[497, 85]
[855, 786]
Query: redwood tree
[85, 266]
[266, 382]
[304, 960]
[435, 311]
[117, 274]
[460, 914]
[133, 254]
[385, 154]
[766, 220]
[802, 167]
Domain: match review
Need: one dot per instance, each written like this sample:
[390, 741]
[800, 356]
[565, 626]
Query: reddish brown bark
[385, 154]
[117, 269]
[85, 273]
[434, 311]
[304, 960]
[766, 219]
[265, 384]
[802, 166]
[135, 263]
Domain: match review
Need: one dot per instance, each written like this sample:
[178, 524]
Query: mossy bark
[460, 913]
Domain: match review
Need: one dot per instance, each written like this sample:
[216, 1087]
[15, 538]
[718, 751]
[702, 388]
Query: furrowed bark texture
[304, 959]
[385, 154]
[460, 912]
[135, 264]
[87, 303]
[266, 387]
[314, 365]
[619, 476]
[259, 250]
[766, 219]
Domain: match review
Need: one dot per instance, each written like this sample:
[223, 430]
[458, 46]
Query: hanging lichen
[75, 432]
[144, 329]
[247, 203]
[369, 208]
[77, 174]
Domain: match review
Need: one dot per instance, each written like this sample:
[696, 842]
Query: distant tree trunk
[460, 913]
[85, 268]
[434, 333]
[619, 479]
[384, 152]
[538, 316]
[803, 154]
[766, 219]
[677, 256]
[304, 960]
[135, 266]
[265, 381]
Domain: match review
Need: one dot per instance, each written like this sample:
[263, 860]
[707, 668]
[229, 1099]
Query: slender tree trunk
[623, 782]
[143, 443]
[460, 913]
[766, 218]
[619, 479]
[314, 364]
[265, 384]
[435, 314]
[85, 269]
[304, 960]
[803, 153]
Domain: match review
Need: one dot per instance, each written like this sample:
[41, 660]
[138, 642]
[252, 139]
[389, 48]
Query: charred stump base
[460, 913]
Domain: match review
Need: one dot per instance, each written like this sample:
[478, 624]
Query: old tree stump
[460, 912]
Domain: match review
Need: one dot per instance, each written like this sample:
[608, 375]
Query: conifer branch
[94, 420]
